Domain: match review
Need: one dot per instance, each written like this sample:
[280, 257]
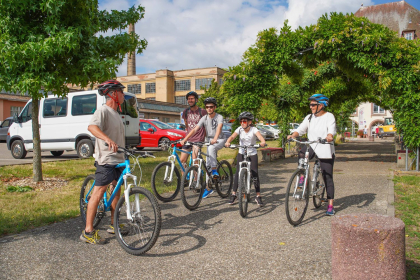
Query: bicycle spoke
[296, 200]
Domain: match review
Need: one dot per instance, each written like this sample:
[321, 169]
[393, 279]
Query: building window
[181, 100]
[182, 85]
[220, 82]
[166, 120]
[15, 111]
[378, 110]
[150, 87]
[409, 35]
[151, 98]
[205, 83]
[134, 88]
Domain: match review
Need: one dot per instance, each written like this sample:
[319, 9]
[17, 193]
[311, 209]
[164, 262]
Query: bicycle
[193, 184]
[297, 196]
[137, 216]
[163, 179]
[244, 180]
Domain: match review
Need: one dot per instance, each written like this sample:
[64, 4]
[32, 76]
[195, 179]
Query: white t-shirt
[319, 127]
[247, 139]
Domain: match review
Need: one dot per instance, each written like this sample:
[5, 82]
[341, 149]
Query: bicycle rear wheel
[225, 181]
[296, 200]
[85, 194]
[139, 234]
[243, 196]
[319, 191]
[164, 188]
[192, 188]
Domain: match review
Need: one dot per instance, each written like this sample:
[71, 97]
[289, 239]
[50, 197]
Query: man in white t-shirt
[320, 124]
[106, 125]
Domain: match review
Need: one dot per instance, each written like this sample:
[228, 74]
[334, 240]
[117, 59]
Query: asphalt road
[214, 242]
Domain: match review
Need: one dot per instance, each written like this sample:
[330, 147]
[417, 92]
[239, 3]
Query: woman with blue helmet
[320, 124]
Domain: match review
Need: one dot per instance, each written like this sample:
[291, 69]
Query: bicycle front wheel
[164, 187]
[319, 191]
[85, 194]
[225, 181]
[192, 188]
[296, 200]
[243, 195]
[138, 234]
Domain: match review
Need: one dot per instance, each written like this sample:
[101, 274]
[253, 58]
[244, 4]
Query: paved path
[214, 242]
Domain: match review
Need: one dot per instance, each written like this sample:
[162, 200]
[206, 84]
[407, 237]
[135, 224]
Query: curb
[390, 211]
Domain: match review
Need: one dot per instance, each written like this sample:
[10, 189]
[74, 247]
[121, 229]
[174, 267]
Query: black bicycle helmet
[210, 100]
[105, 87]
[246, 115]
[192, 93]
[320, 98]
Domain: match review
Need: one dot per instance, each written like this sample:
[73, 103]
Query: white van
[63, 124]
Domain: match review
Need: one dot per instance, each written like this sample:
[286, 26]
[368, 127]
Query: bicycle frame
[175, 158]
[123, 177]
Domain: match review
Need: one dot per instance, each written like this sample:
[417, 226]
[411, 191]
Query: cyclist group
[203, 125]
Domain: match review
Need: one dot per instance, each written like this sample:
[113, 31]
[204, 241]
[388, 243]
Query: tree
[347, 58]
[47, 44]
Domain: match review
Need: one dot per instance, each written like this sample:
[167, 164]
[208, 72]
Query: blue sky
[189, 34]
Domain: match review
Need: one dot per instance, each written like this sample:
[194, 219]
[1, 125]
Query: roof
[398, 16]
[159, 106]
[14, 97]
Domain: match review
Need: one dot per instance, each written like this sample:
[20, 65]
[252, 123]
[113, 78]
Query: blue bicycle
[166, 176]
[137, 217]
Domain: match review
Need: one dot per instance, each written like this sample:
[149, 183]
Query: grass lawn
[407, 208]
[20, 211]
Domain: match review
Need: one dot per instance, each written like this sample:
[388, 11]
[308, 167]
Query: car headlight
[174, 134]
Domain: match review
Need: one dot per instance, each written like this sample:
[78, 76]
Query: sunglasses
[209, 107]
[313, 105]
[244, 121]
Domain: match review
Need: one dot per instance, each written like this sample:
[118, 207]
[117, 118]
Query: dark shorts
[107, 173]
[187, 147]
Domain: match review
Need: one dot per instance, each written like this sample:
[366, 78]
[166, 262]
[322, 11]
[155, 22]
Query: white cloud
[186, 34]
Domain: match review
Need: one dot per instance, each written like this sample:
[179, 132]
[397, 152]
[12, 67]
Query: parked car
[227, 130]
[269, 128]
[63, 124]
[179, 126]
[154, 132]
[4, 128]
[266, 134]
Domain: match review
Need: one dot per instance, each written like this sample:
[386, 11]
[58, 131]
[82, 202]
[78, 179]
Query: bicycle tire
[243, 196]
[296, 206]
[319, 191]
[225, 181]
[87, 183]
[139, 235]
[163, 190]
[192, 193]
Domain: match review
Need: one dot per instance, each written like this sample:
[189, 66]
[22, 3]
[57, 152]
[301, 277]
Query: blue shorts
[107, 173]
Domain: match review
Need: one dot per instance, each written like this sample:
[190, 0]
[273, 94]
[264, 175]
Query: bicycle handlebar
[246, 146]
[319, 140]
[131, 152]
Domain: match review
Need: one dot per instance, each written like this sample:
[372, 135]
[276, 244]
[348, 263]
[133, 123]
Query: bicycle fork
[127, 196]
[170, 170]
[248, 177]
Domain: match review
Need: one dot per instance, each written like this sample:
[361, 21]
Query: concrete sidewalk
[214, 242]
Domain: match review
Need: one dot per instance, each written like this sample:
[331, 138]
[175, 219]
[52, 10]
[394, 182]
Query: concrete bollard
[368, 246]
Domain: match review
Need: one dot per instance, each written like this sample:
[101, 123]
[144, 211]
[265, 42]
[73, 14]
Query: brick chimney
[131, 57]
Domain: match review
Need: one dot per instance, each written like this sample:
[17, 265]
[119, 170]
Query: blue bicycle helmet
[320, 98]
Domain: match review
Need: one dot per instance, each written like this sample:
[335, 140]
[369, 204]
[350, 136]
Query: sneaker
[207, 192]
[214, 174]
[301, 181]
[232, 199]
[258, 200]
[92, 237]
[123, 228]
[330, 211]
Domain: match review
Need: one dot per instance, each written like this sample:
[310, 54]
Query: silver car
[4, 128]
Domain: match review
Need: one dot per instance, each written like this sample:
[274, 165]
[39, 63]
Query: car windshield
[275, 126]
[162, 125]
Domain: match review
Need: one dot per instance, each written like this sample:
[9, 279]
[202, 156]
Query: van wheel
[57, 153]
[18, 149]
[85, 148]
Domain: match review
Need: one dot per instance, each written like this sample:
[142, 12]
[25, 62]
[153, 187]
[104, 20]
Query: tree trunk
[37, 168]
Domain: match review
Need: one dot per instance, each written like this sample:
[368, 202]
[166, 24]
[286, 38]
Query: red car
[154, 132]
